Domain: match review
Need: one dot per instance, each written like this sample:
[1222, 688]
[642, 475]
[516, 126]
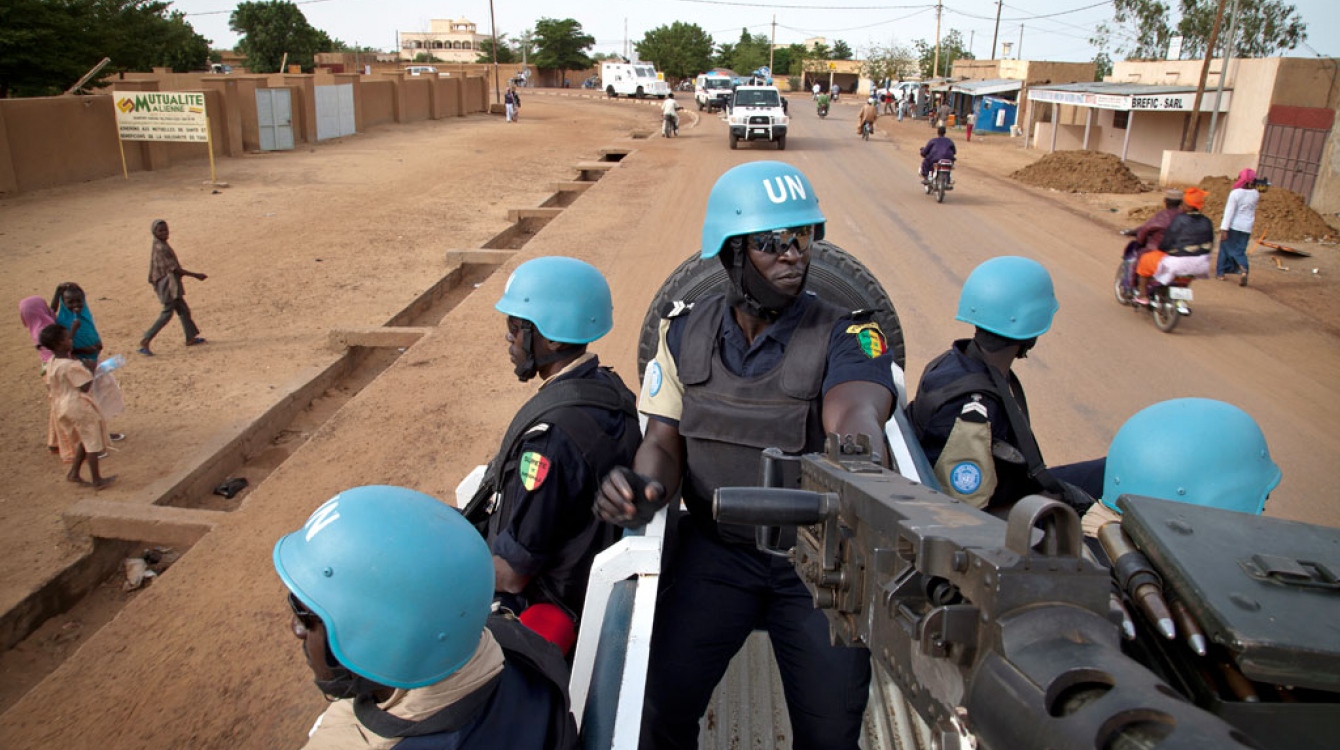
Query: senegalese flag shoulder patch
[534, 469]
[870, 339]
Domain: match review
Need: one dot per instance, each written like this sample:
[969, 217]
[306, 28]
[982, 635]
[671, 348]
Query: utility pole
[1189, 137]
[972, 34]
[1019, 52]
[1223, 75]
[996, 33]
[772, 45]
[625, 39]
[935, 66]
[493, 29]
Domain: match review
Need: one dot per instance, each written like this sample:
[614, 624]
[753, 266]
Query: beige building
[449, 41]
[1030, 72]
[1276, 115]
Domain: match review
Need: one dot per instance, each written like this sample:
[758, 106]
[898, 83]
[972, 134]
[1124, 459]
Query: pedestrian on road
[972, 120]
[165, 276]
[1235, 230]
[535, 503]
[970, 414]
[390, 591]
[765, 364]
[513, 102]
[81, 430]
[70, 305]
[36, 315]
[902, 107]
[817, 88]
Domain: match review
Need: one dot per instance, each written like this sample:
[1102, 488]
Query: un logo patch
[966, 477]
[654, 378]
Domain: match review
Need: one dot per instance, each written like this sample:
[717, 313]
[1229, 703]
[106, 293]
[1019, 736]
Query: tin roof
[991, 86]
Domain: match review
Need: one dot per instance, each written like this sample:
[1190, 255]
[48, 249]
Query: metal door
[334, 111]
[1291, 149]
[274, 113]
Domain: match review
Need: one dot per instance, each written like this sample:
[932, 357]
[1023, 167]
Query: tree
[272, 28]
[505, 53]
[47, 45]
[841, 51]
[1265, 28]
[746, 55]
[1102, 66]
[951, 49]
[888, 61]
[561, 45]
[679, 50]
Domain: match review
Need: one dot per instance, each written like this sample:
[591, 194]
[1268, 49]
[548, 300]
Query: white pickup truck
[757, 113]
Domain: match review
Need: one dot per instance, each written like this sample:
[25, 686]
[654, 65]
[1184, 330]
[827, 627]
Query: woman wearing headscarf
[165, 275]
[35, 315]
[70, 306]
[1236, 228]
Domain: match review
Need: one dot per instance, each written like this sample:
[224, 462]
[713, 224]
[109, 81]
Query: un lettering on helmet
[789, 187]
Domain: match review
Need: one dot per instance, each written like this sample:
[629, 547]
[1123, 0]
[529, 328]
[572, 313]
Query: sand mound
[1081, 172]
[1282, 215]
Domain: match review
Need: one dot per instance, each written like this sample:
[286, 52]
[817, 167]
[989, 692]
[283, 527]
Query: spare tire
[835, 276]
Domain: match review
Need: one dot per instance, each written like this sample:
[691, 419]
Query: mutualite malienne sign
[161, 116]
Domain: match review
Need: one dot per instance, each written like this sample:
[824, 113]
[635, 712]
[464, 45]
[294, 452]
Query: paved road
[1101, 362]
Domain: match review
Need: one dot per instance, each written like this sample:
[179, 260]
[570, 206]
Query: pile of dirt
[1282, 215]
[1081, 172]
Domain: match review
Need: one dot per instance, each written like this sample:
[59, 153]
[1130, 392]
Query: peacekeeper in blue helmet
[766, 364]
[391, 591]
[970, 414]
[1188, 450]
[537, 494]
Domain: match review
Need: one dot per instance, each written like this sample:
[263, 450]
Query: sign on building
[161, 116]
[1175, 48]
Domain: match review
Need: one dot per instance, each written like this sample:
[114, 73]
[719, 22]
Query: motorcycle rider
[970, 414]
[822, 106]
[671, 110]
[937, 148]
[1187, 450]
[1190, 234]
[1150, 233]
[868, 114]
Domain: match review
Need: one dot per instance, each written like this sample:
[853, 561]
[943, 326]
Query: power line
[221, 12]
[813, 32]
[1017, 18]
[738, 4]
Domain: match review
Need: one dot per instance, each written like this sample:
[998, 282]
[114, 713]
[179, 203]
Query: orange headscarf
[1194, 198]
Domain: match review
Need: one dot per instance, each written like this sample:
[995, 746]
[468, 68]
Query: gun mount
[1002, 627]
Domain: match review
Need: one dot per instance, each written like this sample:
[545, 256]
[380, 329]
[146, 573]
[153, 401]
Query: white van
[418, 70]
[633, 79]
[712, 91]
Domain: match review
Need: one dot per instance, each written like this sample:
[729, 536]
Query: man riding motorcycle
[671, 110]
[1186, 243]
[868, 114]
[822, 106]
[936, 149]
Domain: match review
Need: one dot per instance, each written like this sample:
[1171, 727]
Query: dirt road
[203, 658]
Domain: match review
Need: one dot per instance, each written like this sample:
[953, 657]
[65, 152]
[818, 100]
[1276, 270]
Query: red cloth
[552, 623]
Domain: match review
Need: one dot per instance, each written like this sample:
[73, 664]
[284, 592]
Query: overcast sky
[860, 23]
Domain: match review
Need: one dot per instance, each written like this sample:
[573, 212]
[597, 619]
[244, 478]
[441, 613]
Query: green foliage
[423, 57]
[679, 50]
[505, 52]
[841, 51]
[1265, 28]
[1102, 66]
[270, 29]
[789, 60]
[951, 48]
[561, 45]
[889, 61]
[47, 45]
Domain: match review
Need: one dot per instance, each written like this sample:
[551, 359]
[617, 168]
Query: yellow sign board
[161, 116]
[832, 66]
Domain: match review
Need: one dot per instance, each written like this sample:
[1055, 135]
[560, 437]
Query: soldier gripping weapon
[1003, 629]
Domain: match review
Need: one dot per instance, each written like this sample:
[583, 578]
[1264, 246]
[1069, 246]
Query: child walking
[79, 423]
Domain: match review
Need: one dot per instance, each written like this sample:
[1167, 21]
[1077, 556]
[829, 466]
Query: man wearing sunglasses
[534, 505]
[765, 364]
[390, 591]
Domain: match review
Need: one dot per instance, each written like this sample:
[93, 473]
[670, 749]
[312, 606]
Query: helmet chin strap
[531, 366]
[749, 289]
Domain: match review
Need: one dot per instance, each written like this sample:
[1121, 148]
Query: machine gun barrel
[1004, 627]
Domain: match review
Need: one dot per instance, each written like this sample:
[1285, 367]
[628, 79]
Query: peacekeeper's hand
[627, 499]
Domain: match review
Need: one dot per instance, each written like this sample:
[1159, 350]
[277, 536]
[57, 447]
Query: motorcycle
[940, 179]
[1168, 303]
[670, 126]
[866, 127]
[823, 111]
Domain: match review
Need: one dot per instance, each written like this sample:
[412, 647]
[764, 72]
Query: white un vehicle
[633, 79]
[758, 113]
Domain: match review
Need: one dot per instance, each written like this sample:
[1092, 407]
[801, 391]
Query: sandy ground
[202, 658]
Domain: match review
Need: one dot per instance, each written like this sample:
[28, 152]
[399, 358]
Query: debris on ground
[1081, 172]
[1282, 215]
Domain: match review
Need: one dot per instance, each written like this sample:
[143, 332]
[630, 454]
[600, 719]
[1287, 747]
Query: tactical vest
[562, 405]
[728, 420]
[524, 707]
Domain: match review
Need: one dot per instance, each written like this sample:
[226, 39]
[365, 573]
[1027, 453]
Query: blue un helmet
[758, 197]
[402, 582]
[1192, 450]
[1009, 296]
[566, 299]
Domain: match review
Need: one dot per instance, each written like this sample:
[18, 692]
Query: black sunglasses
[778, 241]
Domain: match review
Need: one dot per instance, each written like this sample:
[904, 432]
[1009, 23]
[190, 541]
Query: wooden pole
[122, 146]
[1189, 137]
[209, 143]
[996, 33]
[935, 67]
